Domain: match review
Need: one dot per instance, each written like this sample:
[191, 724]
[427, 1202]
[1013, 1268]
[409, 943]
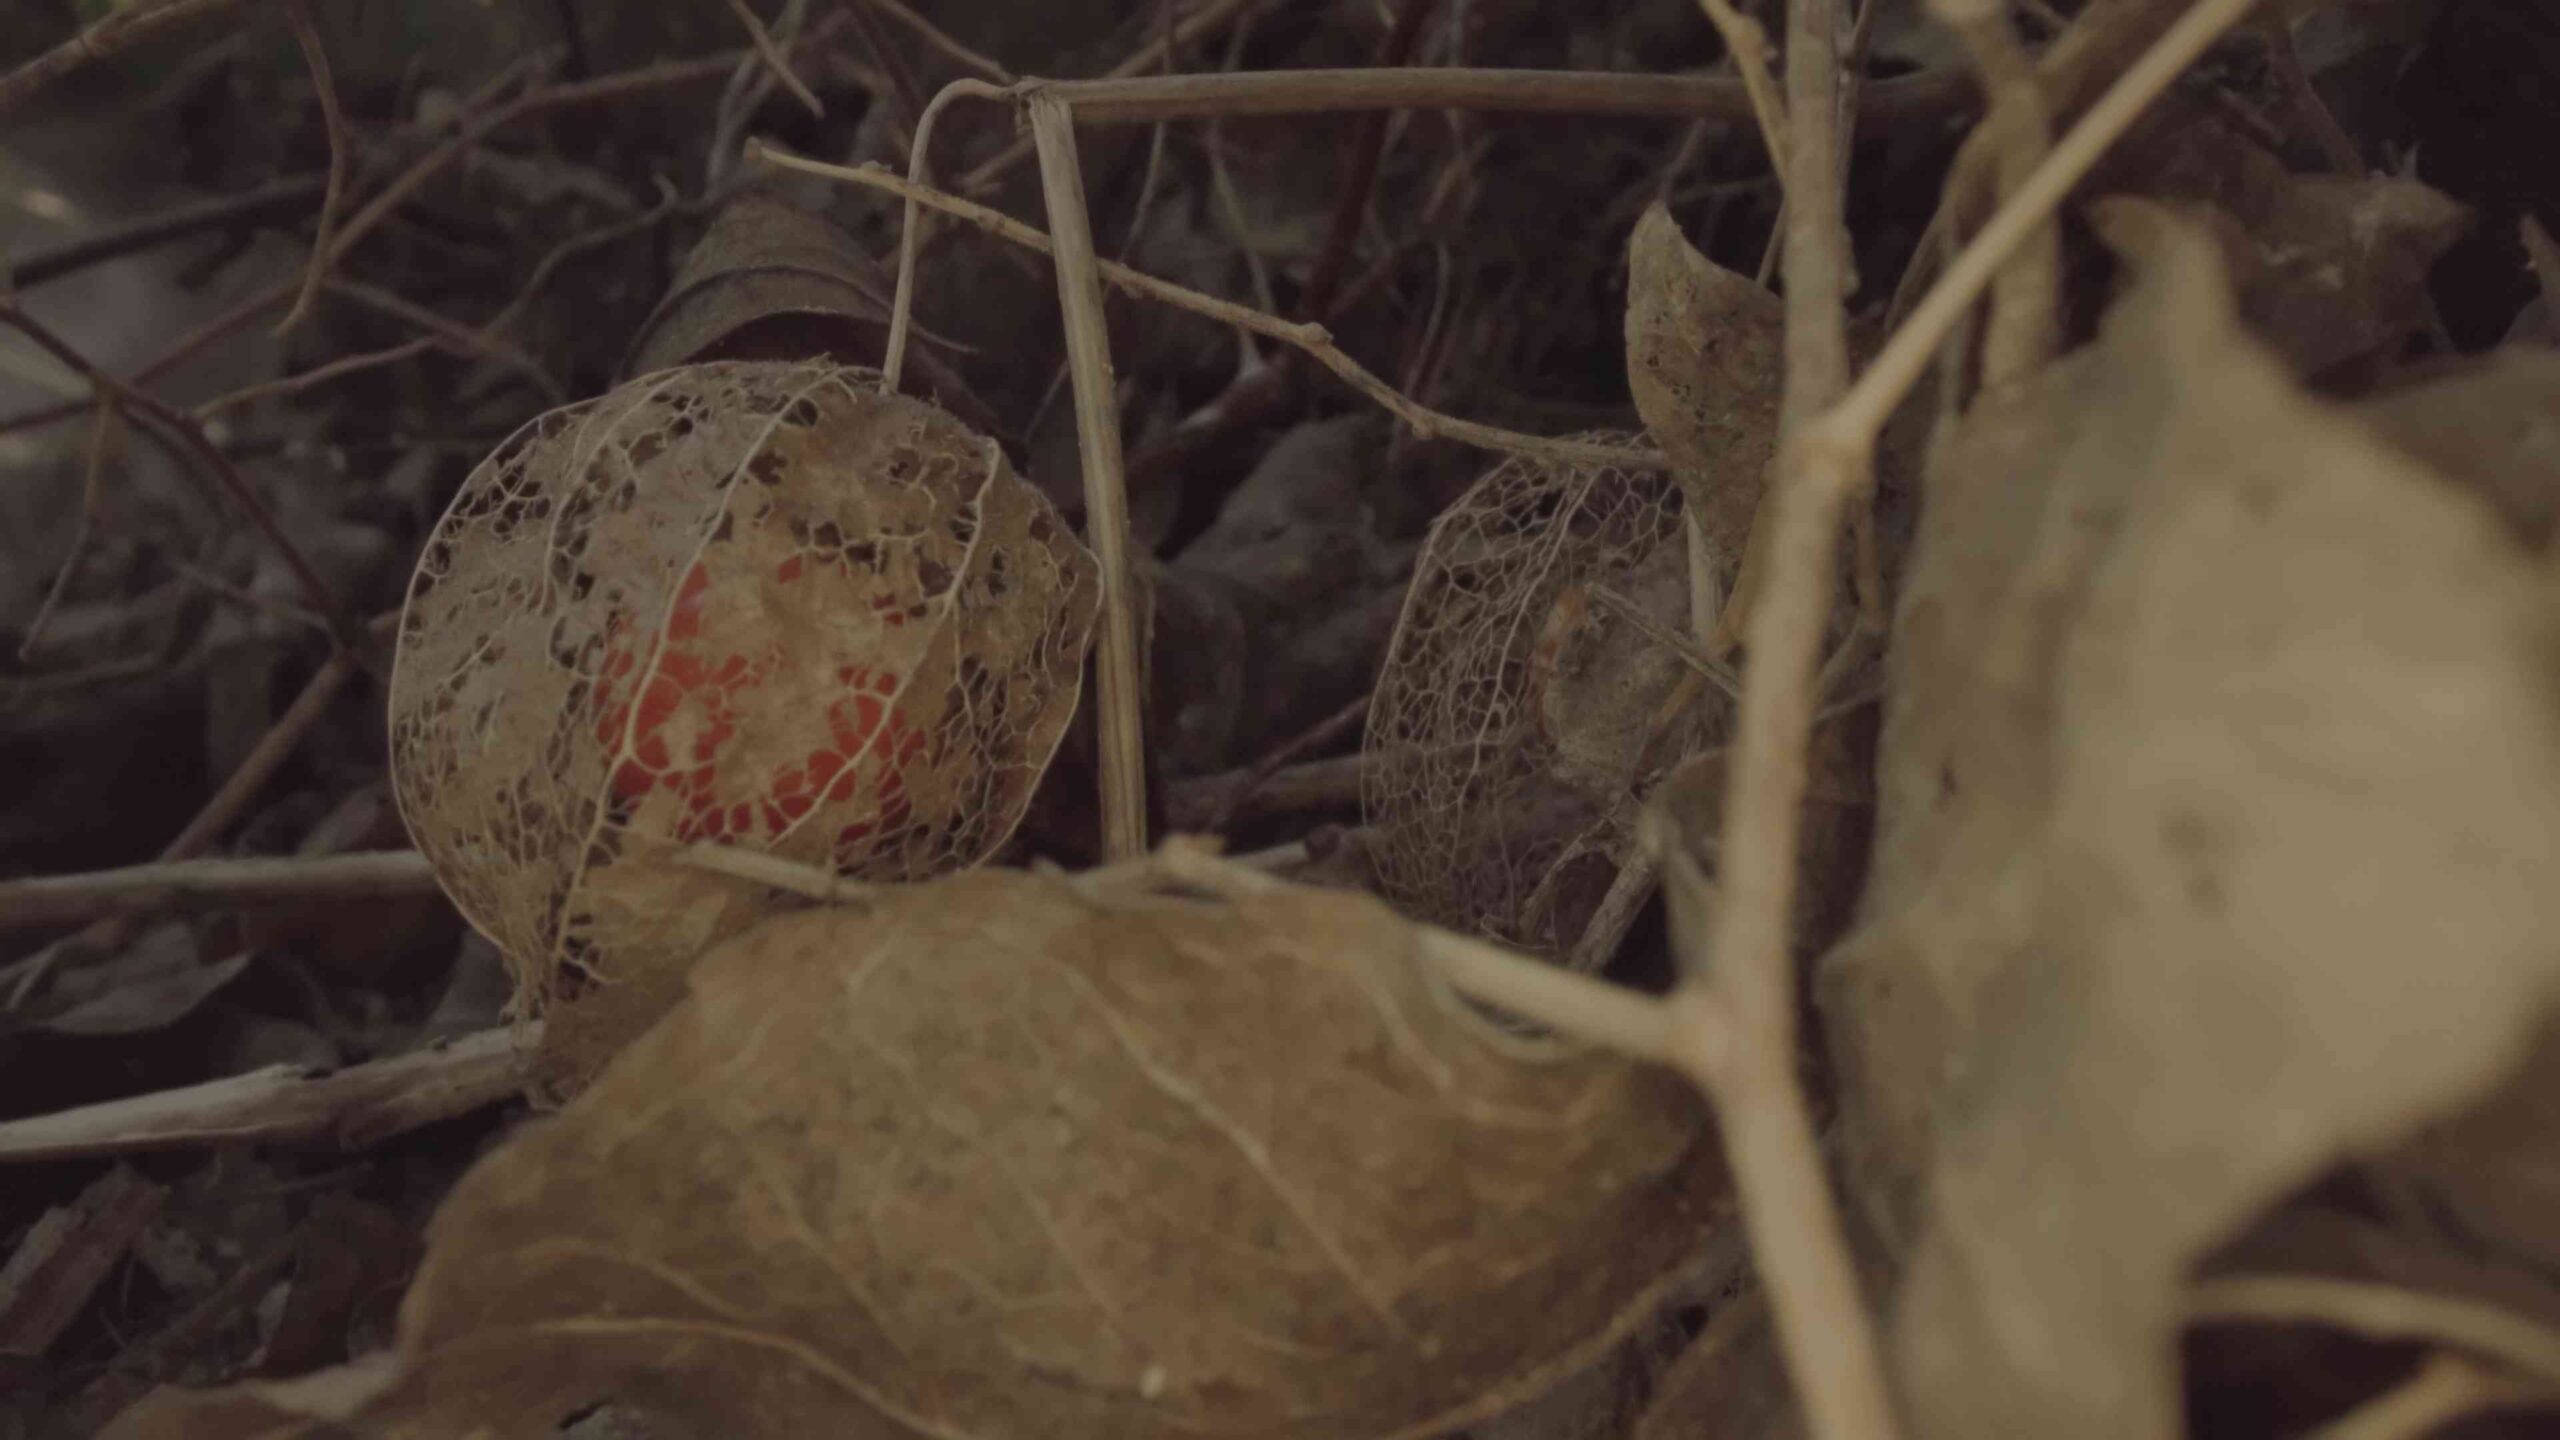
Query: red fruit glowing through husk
[688, 718]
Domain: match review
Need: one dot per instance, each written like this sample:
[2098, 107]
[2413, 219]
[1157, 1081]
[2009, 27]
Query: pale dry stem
[481, 116]
[775, 62]
[1315, 340]
[902, 301]
[1155, 53]
[93, 497]
[2442, 1390]
[2313, 112]
[1118, 703]
[1824, 464]
[2026, 299]
[1748, 44]
[926, 31]
[286, 1104]
[315, 56]
[183, 431]
[48, 900]
[126, 26]
[2380, 1310]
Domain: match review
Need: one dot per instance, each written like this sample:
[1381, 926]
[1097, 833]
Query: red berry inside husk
[697, 697]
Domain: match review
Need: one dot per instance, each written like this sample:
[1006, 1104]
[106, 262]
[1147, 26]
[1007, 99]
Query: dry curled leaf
[2220, 806]
[759, 604]
[2327, 268]
[768, 280]
[1007, 1156]
[1516, 711]
[1705, 360]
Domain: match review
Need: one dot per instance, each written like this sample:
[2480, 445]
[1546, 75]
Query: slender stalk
[1116, 675]
[2382, 1310]
[124, 27]
[902, 303]
[1824, 463]
[182, 429]
[272, 201]
[47, 900]
[1314, 340]
[1901, 101]
[1748, 44]
[1861, 414]
[315, 56]
[776, 63]
[925, 30]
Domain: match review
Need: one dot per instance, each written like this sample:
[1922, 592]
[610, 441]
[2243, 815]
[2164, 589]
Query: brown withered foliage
[2219, 790]
[1008, 1155]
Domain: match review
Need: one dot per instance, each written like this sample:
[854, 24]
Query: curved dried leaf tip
[1010, 1156]
[760, 604]
[1706, 361]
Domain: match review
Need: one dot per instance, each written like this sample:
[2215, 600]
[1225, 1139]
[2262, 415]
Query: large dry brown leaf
[1012, 1156]
[2221, 802]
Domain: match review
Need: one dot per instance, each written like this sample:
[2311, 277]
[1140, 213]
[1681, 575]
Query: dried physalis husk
[1010, 1156]
[1519, 706]
[759, 604]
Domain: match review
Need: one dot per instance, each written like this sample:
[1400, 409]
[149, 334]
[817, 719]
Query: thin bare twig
[1635, 883]
[902, 301]
[244, 597]
[926, 31]
[275, 200]
[1198, 25]
[1324, 732]
[773, 58]
[1903, 100]
[1368, 148]
[130, 24]
[1748, 44]
[1592, 1011]
[482, 342]
[1313, 339]
[285, 1105]
[483, 339]
[1192, 805]
[93, 498]
[264, 758]
[47, 900]
[315, 56]
[189, 436]
[905, 91]
[295, 384]
[1118, 701]
[477, 125]
[1707, 668]
[2275, 33]
[2379, 1310]
[1825, 463]
[2443, 1389]
[2026, 299]
[1734, 1031]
